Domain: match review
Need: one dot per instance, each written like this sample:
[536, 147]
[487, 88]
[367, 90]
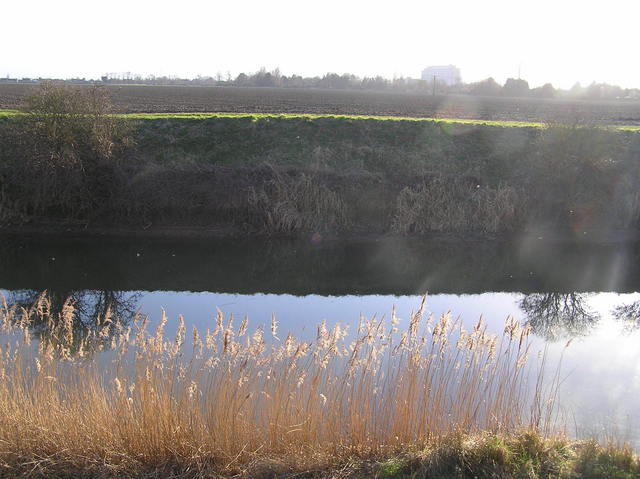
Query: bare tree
[555, 316]
[94, 311]
[628, 315]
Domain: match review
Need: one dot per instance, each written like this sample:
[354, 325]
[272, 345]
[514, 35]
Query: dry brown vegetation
[445, 206]
[229, 397]
[421, 399]
[290, 204]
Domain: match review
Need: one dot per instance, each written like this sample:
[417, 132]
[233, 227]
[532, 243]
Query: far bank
[238, 175]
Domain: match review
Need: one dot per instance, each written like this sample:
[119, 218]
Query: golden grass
[221, 399]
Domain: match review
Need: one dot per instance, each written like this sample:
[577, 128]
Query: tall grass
[293, 204]
[454, 205]
[229, 395]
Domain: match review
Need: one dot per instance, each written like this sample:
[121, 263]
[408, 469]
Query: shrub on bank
[62, 155]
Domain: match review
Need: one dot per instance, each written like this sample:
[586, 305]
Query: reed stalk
[124, 399]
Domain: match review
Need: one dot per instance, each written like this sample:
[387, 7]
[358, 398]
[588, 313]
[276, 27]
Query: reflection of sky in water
[602, 374]
[601, 367]
[600, 370]
[301, 314]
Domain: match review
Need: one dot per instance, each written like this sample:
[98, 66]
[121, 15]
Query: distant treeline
[513, 87]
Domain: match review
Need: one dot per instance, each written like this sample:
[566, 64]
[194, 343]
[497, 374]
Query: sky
[561, 42]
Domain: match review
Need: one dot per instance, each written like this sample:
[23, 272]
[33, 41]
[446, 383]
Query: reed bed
[124, 399]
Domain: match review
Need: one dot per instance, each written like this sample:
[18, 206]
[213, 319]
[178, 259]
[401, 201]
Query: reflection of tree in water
[628, 315]
[92, 310]
[556, 316]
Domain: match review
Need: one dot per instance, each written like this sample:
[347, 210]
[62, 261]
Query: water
[585, 292]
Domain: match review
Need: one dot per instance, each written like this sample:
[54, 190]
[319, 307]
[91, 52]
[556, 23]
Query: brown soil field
[158, 99]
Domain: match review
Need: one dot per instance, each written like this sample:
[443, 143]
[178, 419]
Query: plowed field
[167, 99]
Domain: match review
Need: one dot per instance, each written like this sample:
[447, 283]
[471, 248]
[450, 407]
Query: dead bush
[450, 205]
[295, 204]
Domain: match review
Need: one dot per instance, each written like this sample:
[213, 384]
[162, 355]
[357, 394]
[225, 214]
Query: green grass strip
[312, 116]
[6, 113]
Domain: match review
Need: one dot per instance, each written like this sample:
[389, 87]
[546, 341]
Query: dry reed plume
[454, 205]
[295, 204]
[222, 398]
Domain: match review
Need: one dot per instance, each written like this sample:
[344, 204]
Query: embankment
[293, 175]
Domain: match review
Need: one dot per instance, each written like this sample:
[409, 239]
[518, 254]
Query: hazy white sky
[557, 41]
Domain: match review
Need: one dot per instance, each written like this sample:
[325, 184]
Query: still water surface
[588, 293]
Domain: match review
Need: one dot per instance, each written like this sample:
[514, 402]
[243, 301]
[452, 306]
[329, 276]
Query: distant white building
[447, 74]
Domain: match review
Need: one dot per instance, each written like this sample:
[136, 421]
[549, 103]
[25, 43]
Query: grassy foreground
[426, 400]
